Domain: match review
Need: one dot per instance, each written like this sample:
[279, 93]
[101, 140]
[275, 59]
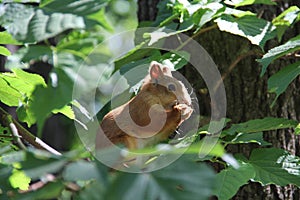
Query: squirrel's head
[170, 91]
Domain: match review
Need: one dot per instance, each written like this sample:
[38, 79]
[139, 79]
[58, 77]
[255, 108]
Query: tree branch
[19, 131]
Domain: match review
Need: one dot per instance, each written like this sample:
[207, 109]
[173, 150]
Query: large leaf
[29, 24]
[54, 97]
[258, 125]
[279, 81]
[275, 166]
[181, 180]
[290, 46]
[257, 30]
[230, 180]
[238, 3]
[249, 138]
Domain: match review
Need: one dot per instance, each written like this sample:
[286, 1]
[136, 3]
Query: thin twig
[20, 132]
[16, 135]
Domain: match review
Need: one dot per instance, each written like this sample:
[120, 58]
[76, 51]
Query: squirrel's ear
[155, 70]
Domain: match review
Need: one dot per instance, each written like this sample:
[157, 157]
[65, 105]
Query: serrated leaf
[275, 166]
[29, 24]
[257, 30]
[192, 181]
[4, 51]
[230, 180]
[276, 52]
[279, 81]
[259, 125]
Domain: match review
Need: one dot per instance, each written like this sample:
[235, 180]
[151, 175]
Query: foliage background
[53, 38]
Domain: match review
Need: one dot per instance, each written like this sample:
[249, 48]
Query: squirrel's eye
[171, 87]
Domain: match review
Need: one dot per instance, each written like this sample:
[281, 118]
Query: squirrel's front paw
[185, 110]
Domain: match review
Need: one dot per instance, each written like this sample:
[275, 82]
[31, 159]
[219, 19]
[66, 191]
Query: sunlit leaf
[66, 111]
[286, 19]
[276, 52]
[257, 30]
[6, 38]
[250, 138]
[238, 3]
[19, 180]
[275, 166]
[8, 95]
[29, 24]
[4, 51]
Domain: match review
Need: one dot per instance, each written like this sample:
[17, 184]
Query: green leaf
[259, 125]
[25, 115]
[29, 24]
[20, 180]
[249, 138]
[66, 111]
[230, 180]
[256, 30]
[81, 170]
[16, 86]
[182, 179]
[6, 38]
[279, 81]
[238, 3]
[9, 95]
[94, 190]
[286, 19]
[51, 190]
[81, 8]
[48, 99]
[297, 129]
[40, 163]
[4, 51]
[177, 58]
[275, 166]
[37, 53]
[276, 52]
[13, 157]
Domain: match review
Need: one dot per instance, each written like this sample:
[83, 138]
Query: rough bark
[247, 96]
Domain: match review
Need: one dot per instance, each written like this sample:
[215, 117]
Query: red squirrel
[150, 117]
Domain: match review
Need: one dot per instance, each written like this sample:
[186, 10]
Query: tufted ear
[155, 70]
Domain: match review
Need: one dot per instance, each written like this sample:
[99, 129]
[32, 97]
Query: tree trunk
[247, 96]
